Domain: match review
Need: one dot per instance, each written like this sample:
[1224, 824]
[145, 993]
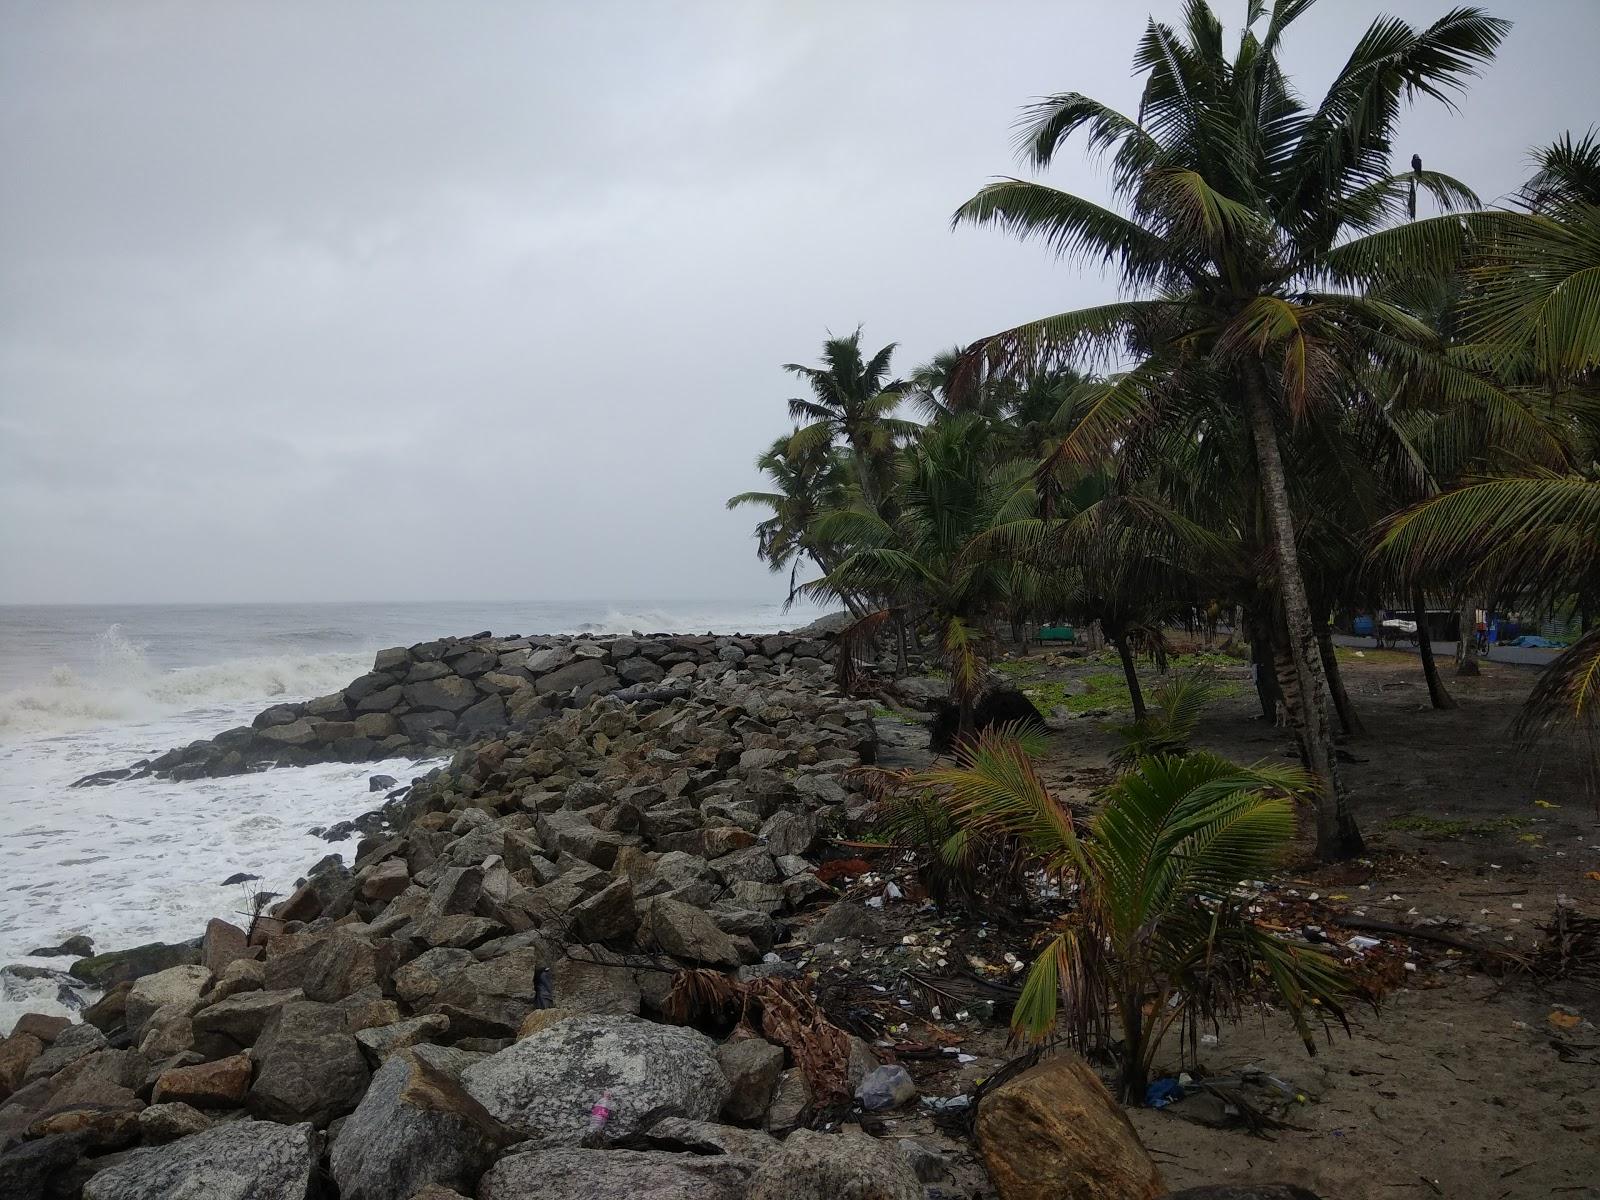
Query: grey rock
[573, 675]
[790, 832]
[835, 1166]
[168, 1122]
[380, 1042]
[704, 1137]
[752, 1067]
[308, 1067]
[451, 694]
[179, 987]
[235, 1023]
[570, 1173]
[608, 915]
[71, 1044]
[688, 933]
[242, 1160]
[414, 1127]
[380, 701]
[545, 1084]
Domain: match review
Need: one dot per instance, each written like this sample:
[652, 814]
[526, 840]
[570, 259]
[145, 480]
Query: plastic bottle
[599, 1115]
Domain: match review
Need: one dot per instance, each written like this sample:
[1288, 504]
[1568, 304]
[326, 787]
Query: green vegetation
[1157, 937]
[1439, 827]
[1324, 401]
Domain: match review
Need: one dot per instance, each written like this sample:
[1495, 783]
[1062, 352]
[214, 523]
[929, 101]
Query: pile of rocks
[443, 693]
[475, 982]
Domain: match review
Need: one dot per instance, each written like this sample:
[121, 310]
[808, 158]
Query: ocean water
[87, 688]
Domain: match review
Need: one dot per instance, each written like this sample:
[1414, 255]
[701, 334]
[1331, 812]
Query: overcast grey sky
[487, 300]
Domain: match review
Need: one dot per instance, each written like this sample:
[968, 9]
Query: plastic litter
[947, 1103]
[886, 1087]
[599, 1116]
[1162, 1092]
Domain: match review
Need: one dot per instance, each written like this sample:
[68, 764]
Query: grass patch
[1439, 827]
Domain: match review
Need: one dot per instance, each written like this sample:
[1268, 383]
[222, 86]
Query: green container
[1058, 633]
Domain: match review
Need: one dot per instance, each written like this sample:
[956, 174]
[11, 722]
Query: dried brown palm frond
[780, 1010]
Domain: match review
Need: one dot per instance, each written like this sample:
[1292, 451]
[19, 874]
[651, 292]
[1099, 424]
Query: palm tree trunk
[1467, 659]
[1430, 669]
[1349, 719]
[1129, 670]
[1261, 666]
[900, 643]
[1337, 835]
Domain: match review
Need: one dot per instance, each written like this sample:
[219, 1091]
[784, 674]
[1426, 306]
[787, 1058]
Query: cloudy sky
[486, 299]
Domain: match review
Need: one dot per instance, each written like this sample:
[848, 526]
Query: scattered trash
[599, 1116]
[1562, 1019]
[886, 1087]
[1162, 1092]
[947, 1104]
[1361, 943]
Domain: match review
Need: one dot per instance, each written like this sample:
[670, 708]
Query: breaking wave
[125, 686]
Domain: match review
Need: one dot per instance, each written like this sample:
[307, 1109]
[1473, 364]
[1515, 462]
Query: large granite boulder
[242, 1160]
[178, 988]
[415, 1126]
[836, 1166]
[1056, 1131]
[569, 1173]
[546, 1084]
[309, 1067]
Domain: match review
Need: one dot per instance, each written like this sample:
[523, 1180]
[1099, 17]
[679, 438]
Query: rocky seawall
[419, 699]
[484, 977]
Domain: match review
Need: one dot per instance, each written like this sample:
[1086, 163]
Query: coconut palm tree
[1159, 938]
[853, 402]
[1247, 214]
[1532, 308]
[950, 492]
[806, 480]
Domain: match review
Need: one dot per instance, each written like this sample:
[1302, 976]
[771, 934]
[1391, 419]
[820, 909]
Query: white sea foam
[124, 686]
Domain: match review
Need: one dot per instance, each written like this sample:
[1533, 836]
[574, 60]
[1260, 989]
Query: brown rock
[161, 1123]
[17, 1052]
[219, 1084]
[223, 943]
[541, 1019]
[386, 880]
[40, 1026]
[111, 1010]
[1055, 1133]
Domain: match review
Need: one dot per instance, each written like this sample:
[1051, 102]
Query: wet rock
[1056, 1131]
[242, 1160]
[832, 1166]
[103, 970]
[381, 783]
[345, 965]
[219, 1084]
[752, 1067]
[545, 1085]
[110, 1011]
[415, 1126]
[78, 946]
[570, 1173]
[790, 832]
